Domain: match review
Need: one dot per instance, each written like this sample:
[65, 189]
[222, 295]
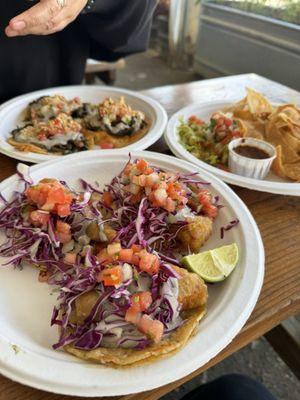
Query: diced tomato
[70, 258]
[63, 210]
[141, 301]
[106, 145]
[204, 196]
[56, 195]
[44, 276]
[63, 227]
[152, 328]
[148, 171]
[195, 120]
[51, 195]
[110, 276]
[125, 255]
[113, 249]
[107, 198]
[35, 195]
[176, 192]
[210, 210]
[142, 165]
[227, 122]
[39, 218]
[63, 232]
[135, 259]
[136, 248]
[132, 315]
[148, 262]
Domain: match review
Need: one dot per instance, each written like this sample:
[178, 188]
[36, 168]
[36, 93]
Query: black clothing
[230, 387]
[113, 29]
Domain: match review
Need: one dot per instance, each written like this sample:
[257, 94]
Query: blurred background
[194, 39]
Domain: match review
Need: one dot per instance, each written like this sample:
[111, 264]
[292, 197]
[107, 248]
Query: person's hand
[44, 18]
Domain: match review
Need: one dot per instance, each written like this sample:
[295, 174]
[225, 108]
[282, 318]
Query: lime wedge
[213, 265]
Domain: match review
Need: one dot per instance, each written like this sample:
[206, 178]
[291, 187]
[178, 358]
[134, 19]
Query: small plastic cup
[250, 167]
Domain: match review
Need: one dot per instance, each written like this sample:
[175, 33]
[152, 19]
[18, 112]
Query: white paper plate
[272, 183]
[12, 113]
[25, 304]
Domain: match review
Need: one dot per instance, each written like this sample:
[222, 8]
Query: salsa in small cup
[251, 157]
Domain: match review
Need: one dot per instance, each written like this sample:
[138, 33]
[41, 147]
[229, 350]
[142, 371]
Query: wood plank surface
[278, 218]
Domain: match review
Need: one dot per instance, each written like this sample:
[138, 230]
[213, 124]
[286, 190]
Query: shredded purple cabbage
[227, 227]
[141, 223]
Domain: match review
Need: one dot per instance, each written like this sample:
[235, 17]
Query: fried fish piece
[192, 294]
[192, 289]
[195, 233]
[84, 305]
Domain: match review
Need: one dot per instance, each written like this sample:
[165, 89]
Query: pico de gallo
[209, 141]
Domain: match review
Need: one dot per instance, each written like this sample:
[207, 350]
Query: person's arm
[45, 17]
[118, 27]
[115, 27]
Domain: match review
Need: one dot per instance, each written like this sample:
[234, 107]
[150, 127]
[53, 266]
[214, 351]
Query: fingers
[44, 18]
[36, 20]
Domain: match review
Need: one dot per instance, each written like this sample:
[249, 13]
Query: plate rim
[156, 132]
[27, 379]
[171, 138]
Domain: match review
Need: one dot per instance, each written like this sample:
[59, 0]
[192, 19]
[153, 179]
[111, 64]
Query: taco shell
[132, 357]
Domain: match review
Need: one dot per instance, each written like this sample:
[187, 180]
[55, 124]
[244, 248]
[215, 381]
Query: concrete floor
[146, 70]
[258, 359]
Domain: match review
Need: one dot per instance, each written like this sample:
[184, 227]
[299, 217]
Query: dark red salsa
[251, 152]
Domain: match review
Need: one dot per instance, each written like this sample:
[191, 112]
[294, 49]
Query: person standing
[46, 43]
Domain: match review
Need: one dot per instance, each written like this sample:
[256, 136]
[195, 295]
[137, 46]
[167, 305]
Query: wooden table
[278, 218]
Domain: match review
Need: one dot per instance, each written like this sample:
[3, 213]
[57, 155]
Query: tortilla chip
[277, 166]
[252, 106]
[253, 128]
[257, 103]
[292, 171]
[132, 357]
[279, 126]
[283, 131]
